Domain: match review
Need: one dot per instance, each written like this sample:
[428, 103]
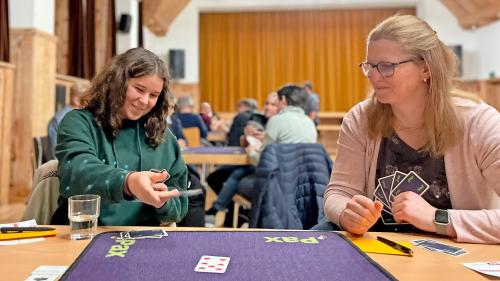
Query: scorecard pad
[255, 255]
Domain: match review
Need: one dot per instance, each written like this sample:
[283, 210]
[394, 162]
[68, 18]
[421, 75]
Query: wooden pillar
[62, 33]
[7, 72]
[34, 54]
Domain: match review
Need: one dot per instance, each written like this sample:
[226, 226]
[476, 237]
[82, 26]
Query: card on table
[143, 234]
[412, 182]
[435, 246]
[212, 264]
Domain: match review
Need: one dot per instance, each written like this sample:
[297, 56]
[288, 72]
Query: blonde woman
[416, 121]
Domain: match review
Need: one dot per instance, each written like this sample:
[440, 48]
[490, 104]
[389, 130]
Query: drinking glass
[83, 212]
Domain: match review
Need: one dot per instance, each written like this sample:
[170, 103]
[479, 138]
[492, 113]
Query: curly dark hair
[106, 96]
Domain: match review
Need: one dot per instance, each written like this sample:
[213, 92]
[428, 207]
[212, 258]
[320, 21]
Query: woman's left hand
[412, 208]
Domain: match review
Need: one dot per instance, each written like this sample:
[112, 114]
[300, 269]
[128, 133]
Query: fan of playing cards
[390, 186]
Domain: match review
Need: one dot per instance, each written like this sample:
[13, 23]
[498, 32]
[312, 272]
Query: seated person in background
[312, 104]
[173, 123]
[188, 118]
[76, 93]
[206, 114]
[290, 125]
[416, 121]
[246, 108]
[211, 119]
[254, 130]
[109, 147]
[248, 115]
[196, 208]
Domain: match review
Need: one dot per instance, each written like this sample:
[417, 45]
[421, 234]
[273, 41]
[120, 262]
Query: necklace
[408, 128]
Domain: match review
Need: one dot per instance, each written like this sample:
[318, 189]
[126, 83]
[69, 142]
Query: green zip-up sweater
[92, 163]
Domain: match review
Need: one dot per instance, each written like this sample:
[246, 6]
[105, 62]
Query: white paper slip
[491, 268]
[49, 270]
[28, 223]
[42, 278]
[47, 273]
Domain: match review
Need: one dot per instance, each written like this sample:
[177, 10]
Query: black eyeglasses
[385, 69]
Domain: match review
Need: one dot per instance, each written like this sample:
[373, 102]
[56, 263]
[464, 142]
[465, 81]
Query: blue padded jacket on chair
[289, 184]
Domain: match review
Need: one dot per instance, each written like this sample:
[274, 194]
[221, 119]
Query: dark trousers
[196, 208]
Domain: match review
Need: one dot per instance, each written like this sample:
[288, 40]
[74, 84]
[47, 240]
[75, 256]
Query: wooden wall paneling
[488, 90]
[7, 72]
[62, 34]
[192, 90]
[67, 82]
[101, 33]
[34, 54]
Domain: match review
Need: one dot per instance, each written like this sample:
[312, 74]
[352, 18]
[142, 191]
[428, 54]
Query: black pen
[25, 228]
[395, 245]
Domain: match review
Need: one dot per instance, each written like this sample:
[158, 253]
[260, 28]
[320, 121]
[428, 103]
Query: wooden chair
[193, 136]
[239, 201]
[43, 200]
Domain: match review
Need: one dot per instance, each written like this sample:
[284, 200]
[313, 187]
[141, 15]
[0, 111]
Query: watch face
[441, 216]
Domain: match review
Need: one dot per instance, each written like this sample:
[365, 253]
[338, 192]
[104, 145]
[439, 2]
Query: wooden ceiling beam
[159, 14]
[474, 13]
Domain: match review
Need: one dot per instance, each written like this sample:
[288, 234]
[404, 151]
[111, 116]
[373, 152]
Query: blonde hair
[441, 121]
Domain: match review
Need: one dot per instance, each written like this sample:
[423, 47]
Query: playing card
[212, 264]
[436, 246]
[385, 183]
[412, 182]
[387, 218]
[143, 234]
[398, 177]
[380, 195]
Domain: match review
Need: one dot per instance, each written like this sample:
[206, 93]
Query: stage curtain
[250, 54]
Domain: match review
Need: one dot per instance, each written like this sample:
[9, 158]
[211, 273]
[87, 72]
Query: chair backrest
[41, 152]
[43, 200]
[289, 184]
[193, 136]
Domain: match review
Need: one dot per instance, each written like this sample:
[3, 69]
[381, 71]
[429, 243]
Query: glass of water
[83, 212]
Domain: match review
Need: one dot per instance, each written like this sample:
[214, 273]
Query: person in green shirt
[118, 142]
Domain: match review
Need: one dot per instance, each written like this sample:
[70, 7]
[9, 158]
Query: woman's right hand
[148, 187]
[360, 214]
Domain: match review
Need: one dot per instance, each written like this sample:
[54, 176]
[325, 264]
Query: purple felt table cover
[253, 257]
[215, 150]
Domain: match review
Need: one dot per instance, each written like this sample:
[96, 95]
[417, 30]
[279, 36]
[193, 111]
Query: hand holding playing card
[147, 187]
[412, 208]
[360, 214]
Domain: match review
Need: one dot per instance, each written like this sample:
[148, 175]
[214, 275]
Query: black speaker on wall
[176, 63]
[125, 22]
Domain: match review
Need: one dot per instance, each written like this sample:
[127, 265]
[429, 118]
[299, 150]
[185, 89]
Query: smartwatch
[441, 221]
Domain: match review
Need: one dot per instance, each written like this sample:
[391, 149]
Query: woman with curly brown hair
[109, 147]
